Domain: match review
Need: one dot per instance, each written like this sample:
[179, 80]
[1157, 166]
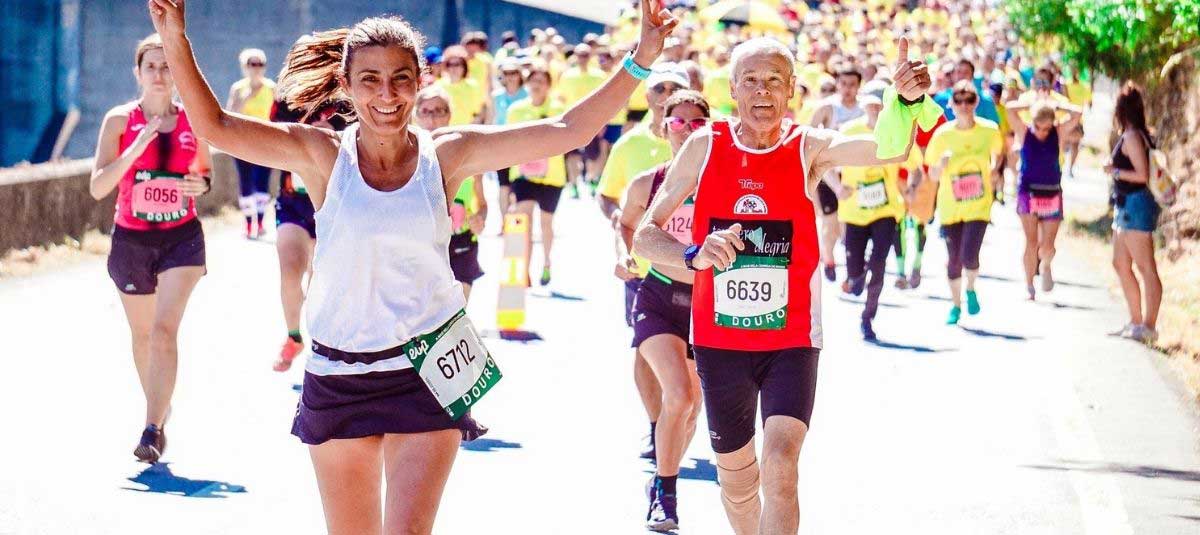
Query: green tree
[1125, 39]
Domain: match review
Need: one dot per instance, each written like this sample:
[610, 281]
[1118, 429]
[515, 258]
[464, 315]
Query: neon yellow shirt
[479, 68]
[965, 188]
[875, 189]
[638, 151]
[577, 83]
[1080, 93]
[259, 104]
[637, 101]
[466, 98]
[551, 171]
[716, 91]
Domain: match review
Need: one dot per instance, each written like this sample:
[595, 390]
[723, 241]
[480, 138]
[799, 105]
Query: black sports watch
[689, 255]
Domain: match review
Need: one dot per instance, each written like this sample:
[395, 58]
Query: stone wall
[44, 203]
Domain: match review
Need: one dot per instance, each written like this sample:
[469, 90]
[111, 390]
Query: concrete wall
[45, 202]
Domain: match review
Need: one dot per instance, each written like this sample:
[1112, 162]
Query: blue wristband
[635, 70]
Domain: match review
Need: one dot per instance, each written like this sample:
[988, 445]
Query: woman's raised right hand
[167, 16]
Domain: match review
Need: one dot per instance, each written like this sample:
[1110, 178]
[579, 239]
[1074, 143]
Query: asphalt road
[1026, 419]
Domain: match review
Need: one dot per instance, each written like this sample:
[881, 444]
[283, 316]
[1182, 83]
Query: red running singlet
[148, 197]
[770, 299]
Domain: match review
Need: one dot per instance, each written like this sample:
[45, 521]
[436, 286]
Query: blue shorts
[1136, 211]
[297, 209]
[612, 133]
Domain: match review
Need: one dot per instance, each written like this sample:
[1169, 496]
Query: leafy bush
[1125, 39]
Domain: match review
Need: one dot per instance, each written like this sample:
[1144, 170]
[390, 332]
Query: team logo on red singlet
[750, 204]
[187, 141]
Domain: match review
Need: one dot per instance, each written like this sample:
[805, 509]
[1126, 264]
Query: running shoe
[287, 354]
[902, 283]
[151, 446]
[914, 280]
[573, 190]
[250, 230]
[972, 302]
[1143, 334]
[648, 451]
[858, 285]
[1032, 293]
[955, 315]
[867, 332]
[831, 273]
[262, 231]
[545, 276]
[663, 515]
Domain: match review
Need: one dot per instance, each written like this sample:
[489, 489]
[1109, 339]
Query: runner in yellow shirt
[1080, 95]
[964, 158]
[468, 101]
[639, 150]
[538, 183]
[253, 95]
[580, 79]
[870, 208]
[479, 61]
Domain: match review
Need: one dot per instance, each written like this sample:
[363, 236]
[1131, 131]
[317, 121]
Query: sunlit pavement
[1025, 419]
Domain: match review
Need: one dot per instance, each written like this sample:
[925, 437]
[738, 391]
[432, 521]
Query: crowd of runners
[731, 161]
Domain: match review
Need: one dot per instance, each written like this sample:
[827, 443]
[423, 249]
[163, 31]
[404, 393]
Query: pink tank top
[148, 196]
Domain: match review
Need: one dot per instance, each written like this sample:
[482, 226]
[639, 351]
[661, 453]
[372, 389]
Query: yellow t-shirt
[551, 171]
[259, 104]
[479, 68]
[638, 151]
[716, 91]
[875, 189]
[1079, 93]
[466, 99]
[577, 83]
[637, 101]
[965, 188]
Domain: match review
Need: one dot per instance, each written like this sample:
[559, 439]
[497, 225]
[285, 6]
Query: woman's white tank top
[381, 270]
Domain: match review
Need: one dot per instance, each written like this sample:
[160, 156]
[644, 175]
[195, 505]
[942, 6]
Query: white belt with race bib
[753, 292]
[872, 195]
[454, 364]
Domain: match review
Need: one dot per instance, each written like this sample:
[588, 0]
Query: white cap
[668, 72]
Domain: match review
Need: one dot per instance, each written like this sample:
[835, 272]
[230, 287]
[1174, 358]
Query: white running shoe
[1123, 332]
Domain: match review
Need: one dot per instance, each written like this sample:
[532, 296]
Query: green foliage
[1125, 39]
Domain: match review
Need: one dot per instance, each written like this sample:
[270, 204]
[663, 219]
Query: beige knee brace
[739, 490]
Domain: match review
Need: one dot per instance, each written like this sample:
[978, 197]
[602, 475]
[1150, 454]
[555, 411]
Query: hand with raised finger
[657, 24]
[912, 78]
[167, 16]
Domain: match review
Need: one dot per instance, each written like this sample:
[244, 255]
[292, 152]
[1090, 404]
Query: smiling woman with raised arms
[382, 296]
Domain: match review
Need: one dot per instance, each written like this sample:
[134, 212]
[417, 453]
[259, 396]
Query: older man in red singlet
[756, 303]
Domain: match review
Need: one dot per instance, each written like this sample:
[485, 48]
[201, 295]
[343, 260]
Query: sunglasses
[456, 64]
[966, 98]
[256, 64]
[664, 88]
[679, 124]
[435, 112]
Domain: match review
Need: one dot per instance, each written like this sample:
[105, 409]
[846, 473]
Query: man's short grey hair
[761, 45]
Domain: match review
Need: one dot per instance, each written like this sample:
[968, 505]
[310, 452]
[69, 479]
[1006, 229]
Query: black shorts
[138, 256]
[545, 196]
[631, 289]
[612, 133]
[464, 258]
[829, 199]
[296, 209]
[662, 307]
[502, 176]
[734, 381]
[635, 116]
[591, 151]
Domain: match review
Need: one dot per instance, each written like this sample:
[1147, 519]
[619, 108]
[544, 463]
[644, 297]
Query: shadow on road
[511, 336]
[555, 294]
[489, 444]
[1069, 306]
[906, 347]
[159, 479]
[1139, 470]
[993, 334]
